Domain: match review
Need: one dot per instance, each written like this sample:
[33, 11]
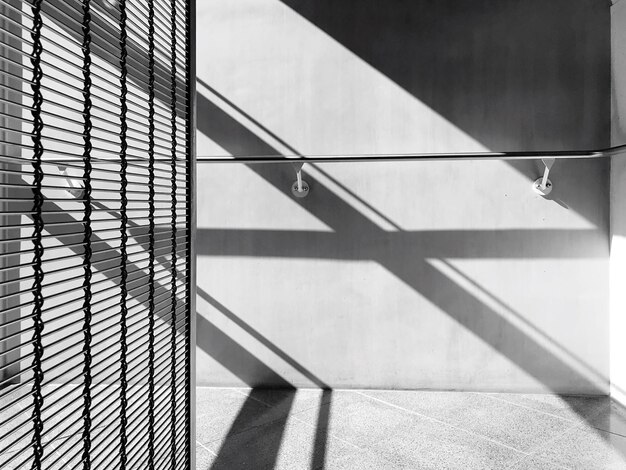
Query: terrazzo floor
[310, 429]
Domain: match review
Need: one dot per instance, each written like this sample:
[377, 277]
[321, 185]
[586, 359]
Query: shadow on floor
[381, 429]
[242, 449]
[318, 461]
[234, 357]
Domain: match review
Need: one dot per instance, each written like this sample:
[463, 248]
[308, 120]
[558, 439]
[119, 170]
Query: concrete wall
[414, 275]
[618, 204]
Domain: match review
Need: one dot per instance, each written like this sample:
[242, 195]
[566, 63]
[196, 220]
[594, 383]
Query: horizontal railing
[569, 154]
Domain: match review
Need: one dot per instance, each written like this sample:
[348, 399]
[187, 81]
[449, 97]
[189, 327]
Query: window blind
[95, 209]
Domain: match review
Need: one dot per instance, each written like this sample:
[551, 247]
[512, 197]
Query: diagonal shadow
[355, 235]
[516, 76]
[554, 95]
[254, 448]
[235, 358]
[393, 251]
[528, 325]
[261, 339]
[456, 57]
[230, 354]
[160, 90]
[281, 401]
[210, 339]
[255, 373]
[318, 459]
[105, 46]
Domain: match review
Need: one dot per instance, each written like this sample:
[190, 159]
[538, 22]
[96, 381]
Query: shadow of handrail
[321, 430]
[261, 339]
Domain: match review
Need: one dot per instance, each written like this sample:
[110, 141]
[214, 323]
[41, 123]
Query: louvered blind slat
[95, 234]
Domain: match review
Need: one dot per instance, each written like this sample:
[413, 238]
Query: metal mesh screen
[95, 210]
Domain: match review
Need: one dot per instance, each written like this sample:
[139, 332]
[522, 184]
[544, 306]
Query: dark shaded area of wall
[514, 74]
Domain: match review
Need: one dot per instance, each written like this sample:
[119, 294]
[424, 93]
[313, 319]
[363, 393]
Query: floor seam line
[446, 424]
[269, 405]
[206, 448]
[248, 395]
[328, 433]
[540, 447]
[256, 426]
[526, 457]
[246, 429]
[504, 400]
[333, 436]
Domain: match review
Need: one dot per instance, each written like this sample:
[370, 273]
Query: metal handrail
[569, 154]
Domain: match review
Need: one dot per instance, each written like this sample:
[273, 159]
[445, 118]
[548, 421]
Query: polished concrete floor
[310, 429]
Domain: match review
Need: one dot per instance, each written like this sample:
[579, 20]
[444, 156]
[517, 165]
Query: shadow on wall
[512, 75]
[493, 69]
[355, 237]
[481, 58]
[504, 72]
[235, 451]
[210, 339]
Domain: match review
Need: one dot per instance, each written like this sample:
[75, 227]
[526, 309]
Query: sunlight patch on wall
[479, 195]
[618, 317]
[207, 146]
[518, 294]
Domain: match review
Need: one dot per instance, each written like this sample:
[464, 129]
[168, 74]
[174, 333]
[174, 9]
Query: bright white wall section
[415, 275]
[618, 205]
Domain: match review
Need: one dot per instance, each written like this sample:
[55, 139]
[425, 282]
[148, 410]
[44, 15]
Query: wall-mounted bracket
[543, 185]
[300, 188]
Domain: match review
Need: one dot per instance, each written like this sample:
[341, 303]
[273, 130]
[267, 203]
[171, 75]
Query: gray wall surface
[618, 204]
[403, 275]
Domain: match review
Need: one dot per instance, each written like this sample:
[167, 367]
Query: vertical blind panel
[95, 188]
